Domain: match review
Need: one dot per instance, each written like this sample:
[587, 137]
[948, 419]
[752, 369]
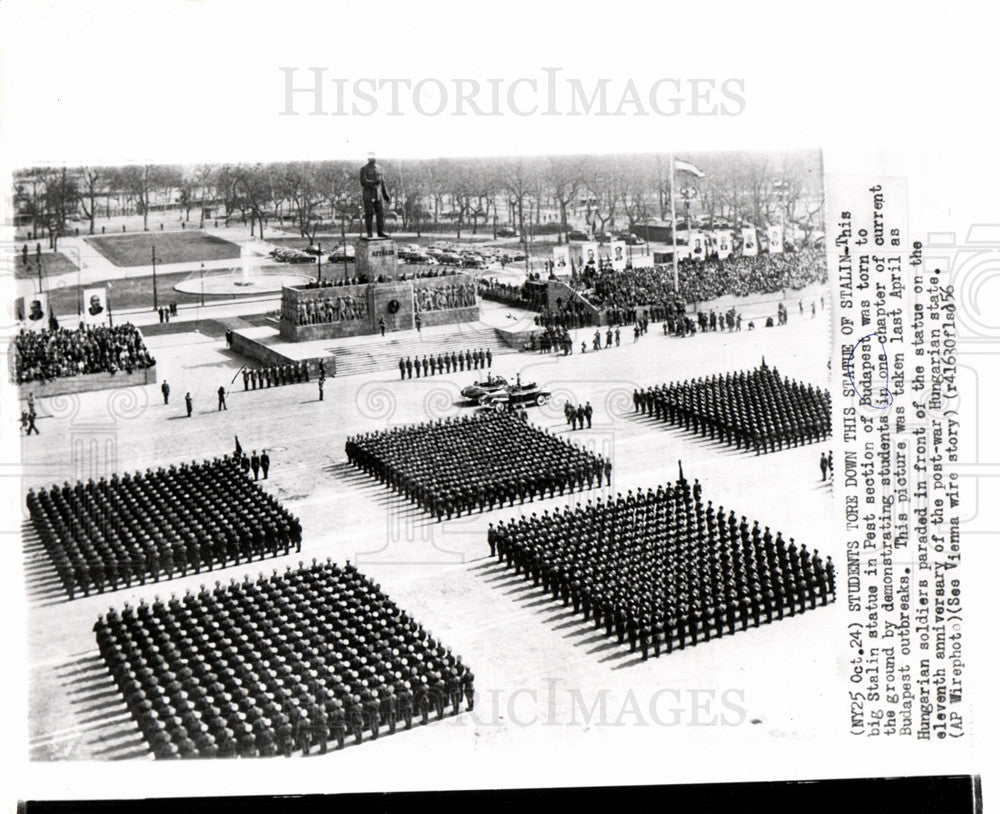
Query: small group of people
[576, 416]
[552, 340]
[826, 465]
[441, 363]
[275, 375]
[28, 416]
[726, 321]
[613, 336]
[167, 311]
[259, 464]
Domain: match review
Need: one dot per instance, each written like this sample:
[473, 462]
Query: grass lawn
[171, 247]
[135, 292]
[52, 263]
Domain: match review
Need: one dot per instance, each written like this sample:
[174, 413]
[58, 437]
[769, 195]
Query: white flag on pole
[684, 166]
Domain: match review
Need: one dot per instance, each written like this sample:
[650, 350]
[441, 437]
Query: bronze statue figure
[373, 193]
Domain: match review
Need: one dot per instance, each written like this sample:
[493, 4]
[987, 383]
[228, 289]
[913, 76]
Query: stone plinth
[354, 310]
[376, 257]
[393, 303]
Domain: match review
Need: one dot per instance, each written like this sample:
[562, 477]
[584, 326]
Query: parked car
[286, 255]
[472, 261]
[576, 234]
[506, 231]
[490, 384]
[341, 254]
[603, 237]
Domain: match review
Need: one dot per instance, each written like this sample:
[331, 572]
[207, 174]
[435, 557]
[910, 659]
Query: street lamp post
[156, 303]
[343, 242]
[202, 285]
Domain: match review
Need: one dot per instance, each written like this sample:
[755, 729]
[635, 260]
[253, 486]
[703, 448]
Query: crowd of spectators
[527, 296]
[42, 356]
[699, 281]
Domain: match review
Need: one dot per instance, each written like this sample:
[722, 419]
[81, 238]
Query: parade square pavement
[535, 662]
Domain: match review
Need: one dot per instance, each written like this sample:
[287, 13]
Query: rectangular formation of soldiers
[662, 569]
[280, 664]
[275, 375]
[441, 363]
[758, 411]
[457, 465]
[119, 531]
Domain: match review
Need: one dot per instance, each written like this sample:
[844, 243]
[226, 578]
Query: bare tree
[564, 177]
[518, 179]
[253, 194]
[61, 201]
[93, 181]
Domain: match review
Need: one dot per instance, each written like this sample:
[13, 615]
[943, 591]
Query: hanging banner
[560, 258]
[95, 306]
[698, 245]
[724, 244]
[619, 258]
[749, 242]
[591, 254]
[33, 311]
[775, 240]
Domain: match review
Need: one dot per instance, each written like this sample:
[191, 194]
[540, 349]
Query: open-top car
[514, 395]
[476, 390]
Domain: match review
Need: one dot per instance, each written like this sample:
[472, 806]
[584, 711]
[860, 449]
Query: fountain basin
[258, 281]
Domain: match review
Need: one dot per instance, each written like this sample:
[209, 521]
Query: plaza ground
[538, 666]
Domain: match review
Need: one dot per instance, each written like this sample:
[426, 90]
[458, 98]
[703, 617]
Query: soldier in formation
[455, 466]
[115, 532]
[662, 569]
[275, 375]
[436, 364]
[758, 411]
[285, 663]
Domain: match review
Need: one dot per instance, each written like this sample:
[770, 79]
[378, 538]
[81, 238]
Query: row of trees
[605, 192]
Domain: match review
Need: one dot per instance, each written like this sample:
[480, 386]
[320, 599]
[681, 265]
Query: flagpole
[673, 222]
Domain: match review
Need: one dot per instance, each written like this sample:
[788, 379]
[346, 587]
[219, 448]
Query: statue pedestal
[376, 257]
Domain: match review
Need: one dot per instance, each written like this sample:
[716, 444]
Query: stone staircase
[381, 355]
